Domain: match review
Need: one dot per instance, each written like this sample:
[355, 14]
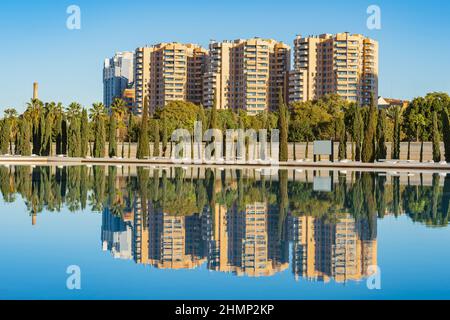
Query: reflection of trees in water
[428, 205]
[364, 196]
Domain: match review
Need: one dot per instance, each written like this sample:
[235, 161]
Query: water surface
[196, 233]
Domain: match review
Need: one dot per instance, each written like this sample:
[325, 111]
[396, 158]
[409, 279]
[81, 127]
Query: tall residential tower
[246, 74]
[169, 72]
[342, 64]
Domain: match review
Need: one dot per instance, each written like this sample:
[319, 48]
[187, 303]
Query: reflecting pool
[214, 233]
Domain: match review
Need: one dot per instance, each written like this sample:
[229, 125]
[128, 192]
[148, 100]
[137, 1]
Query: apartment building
[342, 251]
[169, 72]
[344, 64]
[246, 74]
[118, 75]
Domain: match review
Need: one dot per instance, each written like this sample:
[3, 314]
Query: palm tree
[34, 109]
[11, 115]
[59, 129]
[48, 117]
[118, 107]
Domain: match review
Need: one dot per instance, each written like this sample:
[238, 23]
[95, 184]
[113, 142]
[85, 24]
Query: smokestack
[35, 90]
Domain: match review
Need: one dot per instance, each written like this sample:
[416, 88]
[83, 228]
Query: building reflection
[246, 239]
[342, 251]
[321, 226]
[244, 242]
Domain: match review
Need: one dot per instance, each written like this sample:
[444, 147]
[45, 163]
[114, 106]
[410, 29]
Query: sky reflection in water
[195, 233]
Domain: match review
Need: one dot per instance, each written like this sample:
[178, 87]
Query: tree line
[50, 128]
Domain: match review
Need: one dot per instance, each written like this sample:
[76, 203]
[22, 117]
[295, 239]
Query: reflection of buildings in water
[165, 241]
[155, 238]
[246, 242]
[116, 235]
[175, 241]
[342, 250]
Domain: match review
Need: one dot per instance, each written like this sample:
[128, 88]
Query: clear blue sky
[37, 46]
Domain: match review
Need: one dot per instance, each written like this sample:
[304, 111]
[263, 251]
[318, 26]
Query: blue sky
[37, 46]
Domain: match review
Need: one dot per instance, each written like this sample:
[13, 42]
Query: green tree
[74, 129]
[436, 139]
[412, 118]
[342, 133]
[47, 123]
[358, 131]
[446, 133]
[156, 139]
[381, 150]
[143, 149]
[59, 130]
[4, 141]
[130, 132]
[369, 136]
[213, 115]
[119, 108]
[396, 137]
[349, 120]
[112, 147]
[84, 133]
[98, 117]
[25, 133]
[165, 137]
[283, 127]
[11, 115]
[34, 109]
[201, 116]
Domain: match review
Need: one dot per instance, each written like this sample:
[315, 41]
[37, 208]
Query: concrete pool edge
[388, 165]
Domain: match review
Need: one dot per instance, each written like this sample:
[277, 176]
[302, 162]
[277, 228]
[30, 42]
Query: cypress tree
[112, 150]
[381, 152]
[283, 127]
[342, 139]
[64, 135]
[42, 143]
[436, 140]
[84, 133]
[156, 140]
[369, 136]
[446, 133]
[213, 115]
[47, 138]
[165, 138]
[58, 132]
[100, 138]
[201, 116]
[396, 138]
[129, 133]
[74, 142]
[5, 136]
[358, 131]
[143, 149]
[25, 133]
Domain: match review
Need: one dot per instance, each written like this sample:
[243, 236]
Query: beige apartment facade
[246, 74]
[169, 72]
[343, 251]
[344, 64]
